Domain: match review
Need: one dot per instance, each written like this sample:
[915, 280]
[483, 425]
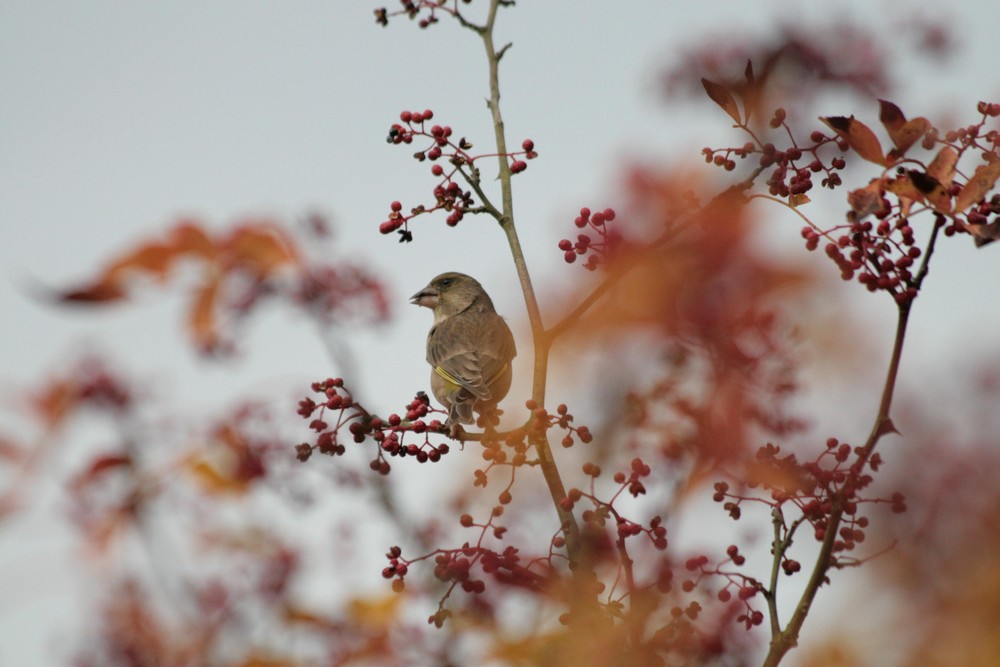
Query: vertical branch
[788, 638]
[542, 345]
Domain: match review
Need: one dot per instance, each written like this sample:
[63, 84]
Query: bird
[469, 347]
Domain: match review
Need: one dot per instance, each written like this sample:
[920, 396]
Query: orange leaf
[977, 187]
[215, 481]
[295, 614]
[933, 192]
[201, 317]
[154, 258]
[987, 233]
[260, 249]
[723, 98]
[865, 201]
[189, 238]
[255, 660]
[891, 116]
[906, 191]
[903, 133]
[943, 166]
[904, 188]
[378, 612]
[859, 136]
[57, 401]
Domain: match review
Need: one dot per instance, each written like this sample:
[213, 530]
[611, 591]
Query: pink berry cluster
[979, 223]
[604, 510]
[597, 250]
[511, 448]
[745, 588]
[458, 567]
[542, 420]
[360, 423]
[792, 168]
[738, 587]
[836, 477]
[425, 12]
[340, 290]
[881, 254]
[450, 159]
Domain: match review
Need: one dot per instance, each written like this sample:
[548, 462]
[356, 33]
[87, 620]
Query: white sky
[118, 117]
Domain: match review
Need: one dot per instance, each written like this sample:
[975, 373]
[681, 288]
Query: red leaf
[100, 465]
[94, 293]
[859, 136]
[723, 98]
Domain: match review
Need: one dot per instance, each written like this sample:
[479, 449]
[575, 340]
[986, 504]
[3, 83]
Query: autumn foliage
[556, 545]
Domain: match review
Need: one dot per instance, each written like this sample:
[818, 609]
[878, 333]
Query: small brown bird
[469, 347]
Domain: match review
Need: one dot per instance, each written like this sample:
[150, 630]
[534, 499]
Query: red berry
[389, 226]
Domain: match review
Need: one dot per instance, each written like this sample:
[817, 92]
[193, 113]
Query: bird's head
[452, 293]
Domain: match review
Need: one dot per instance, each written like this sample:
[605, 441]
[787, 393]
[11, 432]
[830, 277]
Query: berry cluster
[457, 566]
[423, 11]
[978, 221]
[361, 423]
[542, 421]
[511, 448]
[814, 488]
[745, 587]
[881, 255]
[876, 245]
[449, 158]
[608, 240]
[793, 167]
[596, 518]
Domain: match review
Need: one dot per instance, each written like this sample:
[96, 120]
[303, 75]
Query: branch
[785, 640]
[557, 489]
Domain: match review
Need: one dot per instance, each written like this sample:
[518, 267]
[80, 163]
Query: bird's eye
[447, 281]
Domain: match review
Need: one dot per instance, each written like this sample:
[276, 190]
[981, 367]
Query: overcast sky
[120, 116]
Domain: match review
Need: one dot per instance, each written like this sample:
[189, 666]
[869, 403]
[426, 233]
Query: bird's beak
[427, 297]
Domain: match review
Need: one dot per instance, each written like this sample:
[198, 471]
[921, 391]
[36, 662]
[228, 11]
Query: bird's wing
[473, 349]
